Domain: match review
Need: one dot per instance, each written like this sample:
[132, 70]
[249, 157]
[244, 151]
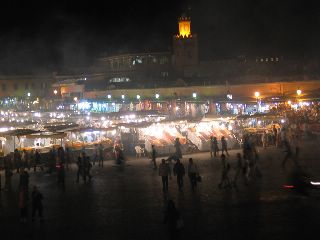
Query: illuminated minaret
[185, 45]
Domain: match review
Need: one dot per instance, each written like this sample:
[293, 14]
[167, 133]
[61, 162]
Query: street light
[299, 92]
[55, 92]
[157, 95]
[194, 95]
[257, 94]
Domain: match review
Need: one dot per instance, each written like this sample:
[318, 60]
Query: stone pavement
[128, 203]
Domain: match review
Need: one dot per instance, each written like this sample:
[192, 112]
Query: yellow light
[184, 27]
[289, 102]
[299, 92]
[256, 94]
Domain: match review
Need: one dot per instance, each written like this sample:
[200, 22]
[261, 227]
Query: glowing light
[109, 96]
[103, 118]
[75, 99]
[315, 183]
[194, 95]
[157, 95]
[184, 27]
[288, 186]
[55, 92]
[282, 120]
[289, 102]
[28, 94]
[257, 94]
[138, 97]
[299, 92]
[122, 96]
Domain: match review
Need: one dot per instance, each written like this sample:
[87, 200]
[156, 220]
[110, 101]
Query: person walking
[80, 168]
[87, 167]
[177, 145]
[101, 155]
[165, 173]
[23, 205]
[239, 169]
[7, 174]
[153, 156]
[288, 151]
[37, 160]
[225, 182]
[17, 159]
[247, 170]
[264, 140]
[61, 174]
[224, 145]
[214, 147]
[179, 171]
[37, 206]
[24, 180]
[295, 142]
[193, 172]
[68, 158]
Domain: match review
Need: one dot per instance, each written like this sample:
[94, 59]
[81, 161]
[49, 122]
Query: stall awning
[19, 132]
[47, 135]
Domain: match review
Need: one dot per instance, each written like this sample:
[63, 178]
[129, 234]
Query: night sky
[51, 36]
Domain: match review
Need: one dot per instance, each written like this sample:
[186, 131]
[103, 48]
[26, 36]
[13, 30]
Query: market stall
[200, 133]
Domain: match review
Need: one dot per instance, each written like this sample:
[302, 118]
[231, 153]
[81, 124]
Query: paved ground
[128, 203]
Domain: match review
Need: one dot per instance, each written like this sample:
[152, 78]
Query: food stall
[162, 135]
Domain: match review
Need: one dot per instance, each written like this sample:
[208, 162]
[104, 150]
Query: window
[119, 79]
[164, 60]
[164, 74]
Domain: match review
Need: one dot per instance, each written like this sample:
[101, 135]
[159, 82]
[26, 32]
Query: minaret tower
[185, 45]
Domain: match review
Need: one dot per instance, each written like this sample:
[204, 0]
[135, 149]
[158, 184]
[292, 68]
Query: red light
[288, 186]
